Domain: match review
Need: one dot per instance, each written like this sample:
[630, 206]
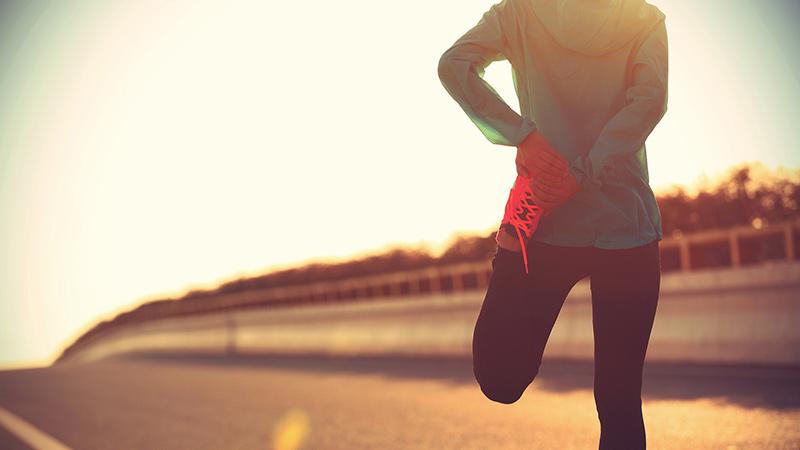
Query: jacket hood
[592, 27]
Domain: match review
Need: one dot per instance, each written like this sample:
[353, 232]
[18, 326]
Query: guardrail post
[394, 286]
[413, 283]
[788, 240]
[736, 256]
[230, 334]
[458, 280]
[436, 280]
[686, 257]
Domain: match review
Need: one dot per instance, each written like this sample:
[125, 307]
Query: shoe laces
[522, 213]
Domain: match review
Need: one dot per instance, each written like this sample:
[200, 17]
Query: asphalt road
[194, 402]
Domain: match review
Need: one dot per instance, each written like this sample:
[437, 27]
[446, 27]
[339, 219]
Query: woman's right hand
[550, 195]
[536, 158]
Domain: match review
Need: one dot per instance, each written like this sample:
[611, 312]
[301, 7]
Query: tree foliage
[747, 195]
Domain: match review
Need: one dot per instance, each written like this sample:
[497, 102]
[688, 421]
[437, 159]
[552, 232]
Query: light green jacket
[591, 76]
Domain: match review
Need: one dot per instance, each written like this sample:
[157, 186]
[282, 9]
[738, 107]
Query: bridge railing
[708, 249]
[733, 247]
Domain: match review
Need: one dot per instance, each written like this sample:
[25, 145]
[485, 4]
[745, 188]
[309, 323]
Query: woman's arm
[626, 132]
[461, 70]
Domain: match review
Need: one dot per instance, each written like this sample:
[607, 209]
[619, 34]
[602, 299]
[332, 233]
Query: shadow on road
[749, 387]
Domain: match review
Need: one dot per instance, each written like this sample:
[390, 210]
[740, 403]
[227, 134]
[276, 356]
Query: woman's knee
[502, 394]
[502, 388]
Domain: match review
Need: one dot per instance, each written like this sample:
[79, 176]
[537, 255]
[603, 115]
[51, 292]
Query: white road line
[28, 433]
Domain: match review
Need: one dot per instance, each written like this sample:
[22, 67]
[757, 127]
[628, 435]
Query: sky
[152, 147]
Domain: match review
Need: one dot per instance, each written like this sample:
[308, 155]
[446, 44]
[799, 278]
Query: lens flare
[291, 431]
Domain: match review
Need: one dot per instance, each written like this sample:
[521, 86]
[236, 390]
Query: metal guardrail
[733, 247]
[717, 248]
[433, 280]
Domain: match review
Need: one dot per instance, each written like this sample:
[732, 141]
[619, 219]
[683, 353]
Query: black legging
[520, 310]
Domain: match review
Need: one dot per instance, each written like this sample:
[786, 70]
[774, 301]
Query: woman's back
[591, 77]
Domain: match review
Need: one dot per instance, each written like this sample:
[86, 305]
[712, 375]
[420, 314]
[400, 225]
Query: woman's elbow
[445, 67]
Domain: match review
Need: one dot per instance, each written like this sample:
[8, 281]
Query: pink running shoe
[522, 215]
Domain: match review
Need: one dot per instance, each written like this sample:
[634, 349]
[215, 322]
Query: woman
[591, 77]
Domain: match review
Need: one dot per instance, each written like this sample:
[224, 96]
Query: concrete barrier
[744, 315]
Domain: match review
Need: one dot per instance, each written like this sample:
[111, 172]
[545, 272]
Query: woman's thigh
[625, 287]
[519, 312]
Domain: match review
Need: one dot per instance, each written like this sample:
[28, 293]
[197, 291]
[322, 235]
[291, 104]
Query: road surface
[239, 402]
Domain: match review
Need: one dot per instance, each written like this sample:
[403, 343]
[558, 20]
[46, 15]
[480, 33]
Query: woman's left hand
[551, 194]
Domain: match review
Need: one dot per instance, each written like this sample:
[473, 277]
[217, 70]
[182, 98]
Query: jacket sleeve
[626, 132]
[461, 70]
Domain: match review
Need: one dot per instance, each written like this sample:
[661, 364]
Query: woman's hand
[551, 194]
[508, 241]
[551, 181]
[535, 157]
